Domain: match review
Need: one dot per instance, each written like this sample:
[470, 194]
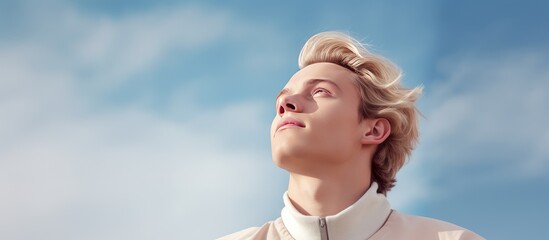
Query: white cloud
[128, 168]
[412, 187]
[71, 171]
[64, 172]
[133, 44]
[490, 114]
[486, 122]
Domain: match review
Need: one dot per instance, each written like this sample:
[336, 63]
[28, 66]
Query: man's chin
[292, 161]
[284, 159]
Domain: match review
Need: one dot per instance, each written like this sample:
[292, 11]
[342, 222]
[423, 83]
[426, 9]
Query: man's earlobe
[378, 130]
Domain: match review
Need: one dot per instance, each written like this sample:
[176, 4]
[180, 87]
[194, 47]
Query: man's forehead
[322, 70]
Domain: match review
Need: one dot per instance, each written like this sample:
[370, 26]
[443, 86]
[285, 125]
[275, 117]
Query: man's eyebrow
[310, 82]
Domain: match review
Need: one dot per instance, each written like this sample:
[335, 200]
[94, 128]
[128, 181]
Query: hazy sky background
[150, 119]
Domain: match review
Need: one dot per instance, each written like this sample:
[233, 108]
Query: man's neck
[329, 194]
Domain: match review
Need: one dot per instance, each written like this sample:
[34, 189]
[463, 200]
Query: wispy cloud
[129, 168]
[130, 45]
[489, 114]
[412, 187]
[71, 171]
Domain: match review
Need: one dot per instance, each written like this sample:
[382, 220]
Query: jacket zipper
[323, 229]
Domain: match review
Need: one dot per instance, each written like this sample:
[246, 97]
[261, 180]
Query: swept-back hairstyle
[382, 96]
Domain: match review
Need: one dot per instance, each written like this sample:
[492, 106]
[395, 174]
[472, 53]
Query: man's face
[317, 122]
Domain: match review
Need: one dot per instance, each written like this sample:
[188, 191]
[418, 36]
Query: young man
[344, 126]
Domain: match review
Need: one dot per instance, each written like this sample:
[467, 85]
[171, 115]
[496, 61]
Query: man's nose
[288, 104]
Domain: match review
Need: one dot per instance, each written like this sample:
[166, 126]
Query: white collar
[359, 221]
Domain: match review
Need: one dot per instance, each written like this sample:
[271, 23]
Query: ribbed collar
[359, 221]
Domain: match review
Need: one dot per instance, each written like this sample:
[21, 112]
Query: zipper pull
[323, 229]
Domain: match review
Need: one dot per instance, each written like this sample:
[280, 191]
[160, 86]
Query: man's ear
[376, 131]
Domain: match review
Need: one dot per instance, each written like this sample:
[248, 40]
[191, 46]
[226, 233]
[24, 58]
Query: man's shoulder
[412, 225]
[271, 230]
[420, 221]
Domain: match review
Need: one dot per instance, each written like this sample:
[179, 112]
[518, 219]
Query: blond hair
[382, 96]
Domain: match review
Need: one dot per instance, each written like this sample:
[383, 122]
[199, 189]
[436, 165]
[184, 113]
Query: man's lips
[289, 122]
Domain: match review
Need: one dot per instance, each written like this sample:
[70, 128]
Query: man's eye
[320, 91]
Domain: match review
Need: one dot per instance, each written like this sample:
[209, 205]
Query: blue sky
[150, 120]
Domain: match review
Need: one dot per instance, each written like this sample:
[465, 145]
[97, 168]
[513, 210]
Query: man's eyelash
[317, 90]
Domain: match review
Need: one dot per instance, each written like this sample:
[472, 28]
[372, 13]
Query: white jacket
[370, 217]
